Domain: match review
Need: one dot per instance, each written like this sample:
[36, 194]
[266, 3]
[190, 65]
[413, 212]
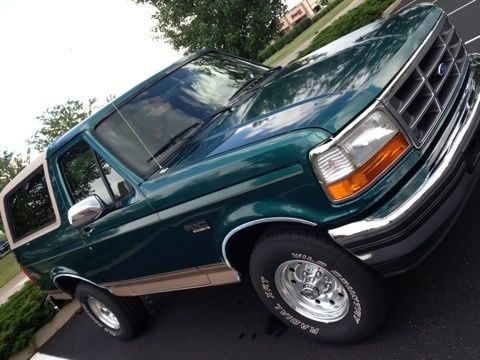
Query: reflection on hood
[326, 89]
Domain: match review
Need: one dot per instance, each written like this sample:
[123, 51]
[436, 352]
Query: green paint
[249, 164]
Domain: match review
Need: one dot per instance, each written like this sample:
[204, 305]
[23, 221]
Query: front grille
[420, 100]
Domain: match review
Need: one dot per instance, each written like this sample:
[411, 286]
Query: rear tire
[121, 317]
[315, 286]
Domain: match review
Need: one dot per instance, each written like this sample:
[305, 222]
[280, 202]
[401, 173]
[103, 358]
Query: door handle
[87, 230]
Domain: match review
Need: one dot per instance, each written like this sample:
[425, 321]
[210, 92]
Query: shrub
[20, 317]
[326, 10]
[293, 34]
[266, 53]
[353, 20]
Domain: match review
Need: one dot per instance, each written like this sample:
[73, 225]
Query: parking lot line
[410, 3]
[39, 356]
[473, 39]
[461, 7]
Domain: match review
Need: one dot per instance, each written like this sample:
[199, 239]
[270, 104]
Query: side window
[119, 186]
[86, 173]
[29, 206]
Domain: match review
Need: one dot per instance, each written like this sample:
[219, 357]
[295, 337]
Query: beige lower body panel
[59, 295]
[211, 275]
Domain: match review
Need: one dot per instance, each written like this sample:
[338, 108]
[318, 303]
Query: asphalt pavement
[464, 15]
[433, 311]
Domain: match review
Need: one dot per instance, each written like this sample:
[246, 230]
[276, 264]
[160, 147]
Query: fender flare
[79, 278]
[256, 222]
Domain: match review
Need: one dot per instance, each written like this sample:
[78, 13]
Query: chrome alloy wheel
[103, 313]
[312, 291]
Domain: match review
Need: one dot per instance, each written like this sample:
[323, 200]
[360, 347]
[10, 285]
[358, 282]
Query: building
[305, 8]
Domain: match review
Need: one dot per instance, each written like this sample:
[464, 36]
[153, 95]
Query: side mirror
[85, 211]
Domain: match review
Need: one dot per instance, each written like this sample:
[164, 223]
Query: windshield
[152, 124]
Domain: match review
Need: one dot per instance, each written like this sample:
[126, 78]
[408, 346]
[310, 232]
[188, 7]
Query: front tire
[121, 317]
[316, 287]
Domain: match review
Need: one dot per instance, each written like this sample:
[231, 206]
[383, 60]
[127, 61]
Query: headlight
[357, 157]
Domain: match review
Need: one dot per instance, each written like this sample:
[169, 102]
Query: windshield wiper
[179, 137]
[221, 110]
[252, 84]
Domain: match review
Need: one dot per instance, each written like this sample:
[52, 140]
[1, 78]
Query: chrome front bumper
[465, 119]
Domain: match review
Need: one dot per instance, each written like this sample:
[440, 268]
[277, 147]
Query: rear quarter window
[29, 206]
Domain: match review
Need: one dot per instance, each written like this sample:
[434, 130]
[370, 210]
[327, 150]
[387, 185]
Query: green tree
[60, 119]
[10, 166]
[236, 26]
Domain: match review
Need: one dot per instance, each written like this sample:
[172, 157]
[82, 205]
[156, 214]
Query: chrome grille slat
[414, 94]
[437, 59]
[449, 32]
[463, 59]
[428, 87]
[423, 111]
[457, 50]
[445, 77]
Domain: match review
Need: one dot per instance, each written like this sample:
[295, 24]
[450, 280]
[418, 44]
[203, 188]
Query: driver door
[127, 241]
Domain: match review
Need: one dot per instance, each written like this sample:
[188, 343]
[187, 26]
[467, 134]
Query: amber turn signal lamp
[369, 171]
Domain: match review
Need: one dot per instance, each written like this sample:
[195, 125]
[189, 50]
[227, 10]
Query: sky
[56, 50]
[291, 3]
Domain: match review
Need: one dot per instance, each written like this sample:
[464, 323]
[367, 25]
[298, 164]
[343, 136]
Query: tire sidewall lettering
[284, 313]
[357, 307]
[97, 322]
[300, 256]
[294, 321]
[266, 288]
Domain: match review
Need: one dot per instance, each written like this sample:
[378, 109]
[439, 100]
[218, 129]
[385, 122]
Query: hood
[328, 88]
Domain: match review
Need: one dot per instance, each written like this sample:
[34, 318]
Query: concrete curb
[12, 287]
[392, 8]
[48, 330]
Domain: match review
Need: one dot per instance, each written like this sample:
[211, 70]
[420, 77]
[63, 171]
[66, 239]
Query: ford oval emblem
[442, 69]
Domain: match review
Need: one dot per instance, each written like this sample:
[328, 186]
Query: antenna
[138, 137]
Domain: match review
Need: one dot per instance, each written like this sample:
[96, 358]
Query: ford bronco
[315, 181]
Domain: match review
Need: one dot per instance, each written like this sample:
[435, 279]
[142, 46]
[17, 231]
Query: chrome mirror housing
[85, 211]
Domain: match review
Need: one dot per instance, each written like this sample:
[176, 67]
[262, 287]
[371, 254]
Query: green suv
[315, 181]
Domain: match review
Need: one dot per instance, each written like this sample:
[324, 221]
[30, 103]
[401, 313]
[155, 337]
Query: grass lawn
[8, 269]
[20, 317]
[307, 34]
[362, 15]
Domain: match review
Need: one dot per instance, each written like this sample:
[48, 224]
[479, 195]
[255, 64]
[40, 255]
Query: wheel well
[68, 284]
[240, 245]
